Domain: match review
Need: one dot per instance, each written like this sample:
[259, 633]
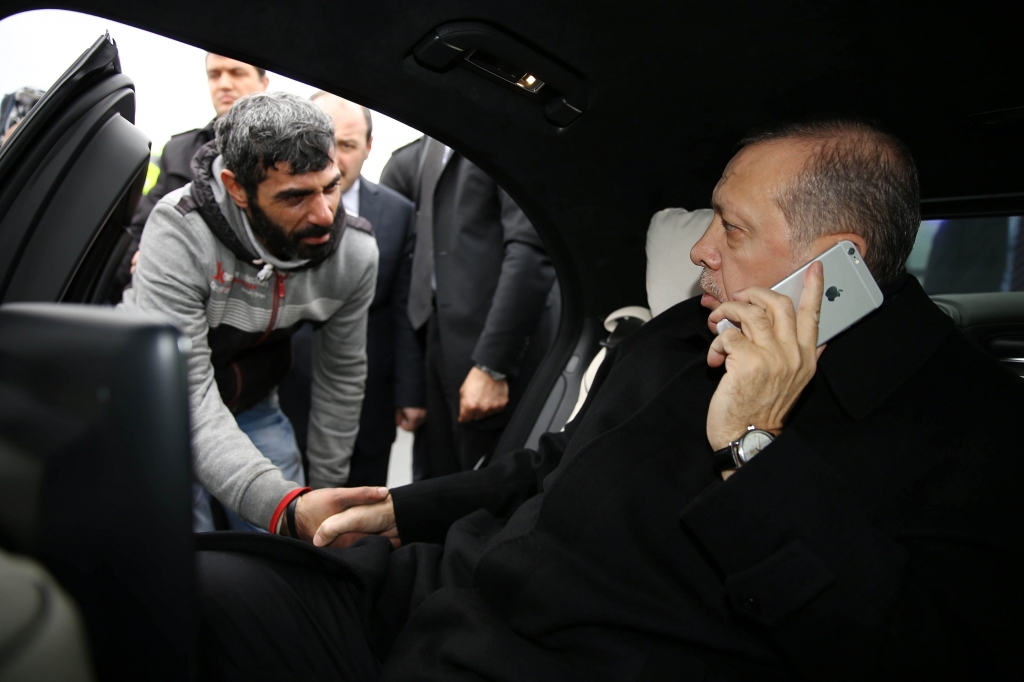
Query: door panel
[98, 180]
[70, 173]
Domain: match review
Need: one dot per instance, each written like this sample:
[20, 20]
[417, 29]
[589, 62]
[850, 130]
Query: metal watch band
[492, 373]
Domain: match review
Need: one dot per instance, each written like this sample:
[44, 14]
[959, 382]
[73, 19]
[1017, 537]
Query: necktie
[420, 291]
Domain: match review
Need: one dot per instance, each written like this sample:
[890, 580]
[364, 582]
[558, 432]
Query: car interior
[604, 121]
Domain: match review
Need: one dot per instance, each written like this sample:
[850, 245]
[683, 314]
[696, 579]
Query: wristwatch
[492, 373]
[742, 450]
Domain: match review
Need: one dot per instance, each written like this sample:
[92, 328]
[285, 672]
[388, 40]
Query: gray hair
[262, 130]
[860, 180]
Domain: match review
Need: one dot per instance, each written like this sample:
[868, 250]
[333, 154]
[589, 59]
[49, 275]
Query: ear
[369, 145]
[827, 241]
[266, 82]
[235, 190]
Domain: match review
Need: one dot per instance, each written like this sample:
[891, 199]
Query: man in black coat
[483, 295]
[395, 375]
[228, 80]
[875, 537]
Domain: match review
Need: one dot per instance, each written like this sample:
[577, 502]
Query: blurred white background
[170, 77]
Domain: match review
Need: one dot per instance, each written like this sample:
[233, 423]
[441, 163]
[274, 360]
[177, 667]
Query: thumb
[350, 497]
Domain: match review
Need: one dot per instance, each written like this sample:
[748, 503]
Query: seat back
[95, 476]
[671, 277]
[995, 321]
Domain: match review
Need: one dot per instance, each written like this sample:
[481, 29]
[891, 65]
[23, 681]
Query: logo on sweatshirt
[219, 277]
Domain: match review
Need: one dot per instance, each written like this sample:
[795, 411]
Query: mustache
[312, 231]
[708, 284]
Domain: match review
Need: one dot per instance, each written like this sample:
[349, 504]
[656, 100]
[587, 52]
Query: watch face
[752, 443]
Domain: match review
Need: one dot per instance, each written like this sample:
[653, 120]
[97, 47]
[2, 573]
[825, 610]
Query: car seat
[95, 476]
[671, 279]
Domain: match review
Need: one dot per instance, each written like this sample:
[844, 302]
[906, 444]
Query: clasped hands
[337, 517]
[768, 363]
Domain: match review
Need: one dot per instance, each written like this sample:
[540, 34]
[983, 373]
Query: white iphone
[850, 291]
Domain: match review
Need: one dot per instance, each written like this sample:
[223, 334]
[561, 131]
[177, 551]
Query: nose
[705, 253]
[322, 211]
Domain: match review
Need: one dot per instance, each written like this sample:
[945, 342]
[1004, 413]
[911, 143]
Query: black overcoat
[876, 538]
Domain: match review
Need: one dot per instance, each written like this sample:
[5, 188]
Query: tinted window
[968, 255]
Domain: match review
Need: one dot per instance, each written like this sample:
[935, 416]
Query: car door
[70, 176]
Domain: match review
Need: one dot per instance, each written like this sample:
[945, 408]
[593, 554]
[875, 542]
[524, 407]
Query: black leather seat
[995, 321]
[95, 477]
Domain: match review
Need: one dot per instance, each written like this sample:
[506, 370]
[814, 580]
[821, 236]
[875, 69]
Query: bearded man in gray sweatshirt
[239, 259]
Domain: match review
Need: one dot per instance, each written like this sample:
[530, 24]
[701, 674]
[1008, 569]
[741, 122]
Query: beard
[287, 246]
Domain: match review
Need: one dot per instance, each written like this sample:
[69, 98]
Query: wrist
[279, 521]
[738, 452]
[492, 373]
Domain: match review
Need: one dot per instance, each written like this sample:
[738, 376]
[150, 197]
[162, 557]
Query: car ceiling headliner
[672, 87]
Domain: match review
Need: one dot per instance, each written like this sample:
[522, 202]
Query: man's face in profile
[350, 137]
[748, 242]
[293, 215]
[230, 79]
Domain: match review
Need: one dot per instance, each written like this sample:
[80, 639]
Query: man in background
[15, 107]
[481, 295]
[394, 381]
[228, 79]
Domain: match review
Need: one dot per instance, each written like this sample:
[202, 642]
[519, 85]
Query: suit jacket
[395, 374]
[877, 538]
[495, 297]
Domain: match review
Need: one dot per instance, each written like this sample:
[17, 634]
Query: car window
[969, 255]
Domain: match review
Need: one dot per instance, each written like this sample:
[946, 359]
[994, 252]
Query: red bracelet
[284, 503]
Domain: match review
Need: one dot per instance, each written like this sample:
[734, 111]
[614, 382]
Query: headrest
[671, 277]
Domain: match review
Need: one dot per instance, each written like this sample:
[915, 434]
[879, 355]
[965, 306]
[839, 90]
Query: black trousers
[273, 608]
[452, 447]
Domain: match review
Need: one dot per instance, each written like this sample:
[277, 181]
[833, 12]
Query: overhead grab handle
[487, 51]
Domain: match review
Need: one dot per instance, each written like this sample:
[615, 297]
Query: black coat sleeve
[410, 373]
[802, 561]
[425, 510]
[527, 276]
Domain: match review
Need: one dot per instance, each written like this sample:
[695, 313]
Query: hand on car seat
[410, 418]
[481, 396]
[341, 530]
[768, 363]
[317, 505]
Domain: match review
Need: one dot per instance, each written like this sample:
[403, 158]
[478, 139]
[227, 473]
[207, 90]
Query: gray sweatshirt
[231, 309]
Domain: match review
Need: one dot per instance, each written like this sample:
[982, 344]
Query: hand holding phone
[769, 364]
[850, 291]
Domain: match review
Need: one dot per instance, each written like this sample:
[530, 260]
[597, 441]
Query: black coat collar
[866, 363]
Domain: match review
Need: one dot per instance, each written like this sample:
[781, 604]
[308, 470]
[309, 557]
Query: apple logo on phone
[832, 293]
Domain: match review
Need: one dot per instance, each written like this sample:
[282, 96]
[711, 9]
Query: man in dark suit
[873, 535]
[394, 380]
[228, 80]
[483, 296]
